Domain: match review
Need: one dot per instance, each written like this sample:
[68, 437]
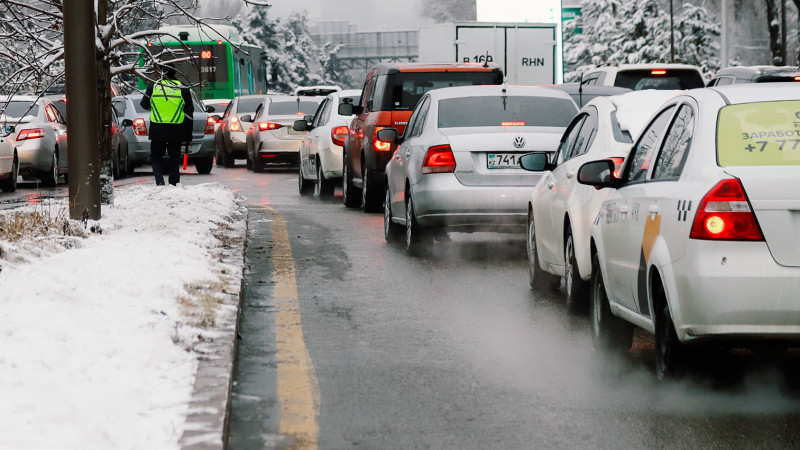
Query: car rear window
[641, 79]
[505, 111]
[406, 88]
[292, 107]
[18, 109]
[248, 105]
[759, 134]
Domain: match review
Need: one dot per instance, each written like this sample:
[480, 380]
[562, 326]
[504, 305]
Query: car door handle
[653, 209]
[551, 184]
[570, 174]
[623, 208]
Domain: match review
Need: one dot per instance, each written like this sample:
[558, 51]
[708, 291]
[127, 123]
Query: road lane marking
[298, 389]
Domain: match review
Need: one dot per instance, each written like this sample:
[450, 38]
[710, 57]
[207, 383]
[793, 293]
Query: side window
[364, 91]
[371, 94]
[722, 81]
[319, 116]
[412, 122]
[52, 116]
[642, 153]
[670, 160]
[586, 136]
[259, 110]
[568, 141]
[423, 114]
[119, 105]
[228, 109]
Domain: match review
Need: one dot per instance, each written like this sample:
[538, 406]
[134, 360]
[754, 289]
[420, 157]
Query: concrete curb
[206, 425]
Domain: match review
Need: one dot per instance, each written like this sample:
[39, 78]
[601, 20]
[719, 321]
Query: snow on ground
[95, 346]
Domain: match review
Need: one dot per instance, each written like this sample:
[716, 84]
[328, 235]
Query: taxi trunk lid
[774, 193]
[475, 148]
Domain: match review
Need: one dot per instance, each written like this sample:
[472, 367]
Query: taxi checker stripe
[684, 206]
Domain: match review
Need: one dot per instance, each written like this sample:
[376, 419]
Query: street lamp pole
[671, 34]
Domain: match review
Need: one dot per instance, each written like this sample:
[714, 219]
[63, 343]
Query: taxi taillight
[439, 159]
[268, 126]
[725, 214]
[235, 125]
[338, 135]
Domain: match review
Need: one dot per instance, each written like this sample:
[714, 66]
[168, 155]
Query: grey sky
[368, 15]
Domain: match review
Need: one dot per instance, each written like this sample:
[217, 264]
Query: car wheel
[204, 165]
[349, 197]
[123, 167]
[10, 185]
[220, 154]
[303, 185]
[418, 240]
[323, 188]
[369, 189]
[50, 178]
[609, 332]
[227, 158]
[392, 232]
[670, 352]
[249, 163]
[115, 166]
[577, 289]
[538, 278]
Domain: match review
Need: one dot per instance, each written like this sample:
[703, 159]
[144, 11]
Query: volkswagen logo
[519, 142]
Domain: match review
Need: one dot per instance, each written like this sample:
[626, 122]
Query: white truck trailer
[527, 52]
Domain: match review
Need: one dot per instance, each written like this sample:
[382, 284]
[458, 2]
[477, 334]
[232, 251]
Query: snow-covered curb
[100, 336]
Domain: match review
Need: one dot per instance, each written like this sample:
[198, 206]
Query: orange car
[390, 92]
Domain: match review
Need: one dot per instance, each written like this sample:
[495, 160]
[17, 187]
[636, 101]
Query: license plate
[503, 160]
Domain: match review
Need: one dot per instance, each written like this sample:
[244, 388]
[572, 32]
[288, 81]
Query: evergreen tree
[451, 10]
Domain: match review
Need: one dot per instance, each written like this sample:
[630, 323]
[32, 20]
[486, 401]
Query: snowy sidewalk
[121, 334]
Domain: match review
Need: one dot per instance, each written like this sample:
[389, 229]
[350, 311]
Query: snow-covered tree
[450, 10]
[628, 32]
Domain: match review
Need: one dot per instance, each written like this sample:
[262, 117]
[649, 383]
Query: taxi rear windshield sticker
[759, 134]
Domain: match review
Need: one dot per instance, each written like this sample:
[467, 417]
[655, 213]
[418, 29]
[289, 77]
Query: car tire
[10, 184]
[220, 154]
[204, 165]
[124, 170]
[609, 332]
[303, 186]
[323, 188]
[249, 163]
[419, 242]
[538, 278]
[369, 189]
[670, 353]
[349, 191]
[50, 178]
[392, 232]
[227, 159]
[577, 289]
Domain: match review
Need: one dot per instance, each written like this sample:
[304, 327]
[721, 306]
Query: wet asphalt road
[456, 351]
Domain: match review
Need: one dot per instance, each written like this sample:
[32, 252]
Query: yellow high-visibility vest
[166, 103]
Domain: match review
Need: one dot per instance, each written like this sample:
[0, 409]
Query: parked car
[230, 130]
[697, 243]
[40, 133]
[391, 90]
[321, 149]
[315, 91]
[216, 107]
[135, 122]
[755, 74]
[645, 76]
[9, 160]
[561, 211]
[457, 165]
[272, 139]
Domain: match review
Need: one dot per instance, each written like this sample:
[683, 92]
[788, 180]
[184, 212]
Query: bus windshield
[203, 62]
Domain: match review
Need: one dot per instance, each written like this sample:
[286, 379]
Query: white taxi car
[560, 210]
[698, 242]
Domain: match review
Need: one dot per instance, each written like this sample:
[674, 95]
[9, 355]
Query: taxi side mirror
[599, 174]
[301, 125]
[388, 135]
[536, 162]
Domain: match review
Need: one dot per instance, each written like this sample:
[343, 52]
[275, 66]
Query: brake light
[210, 125]
[797, 78]
[113, 129]
[724, 213]
[379, 145]
[30, 133]
[658, 72]
[338, 135]
[439, 159]
[512, 124]
[617, 165]
[139, 127]
[235, 125]
[267, 126]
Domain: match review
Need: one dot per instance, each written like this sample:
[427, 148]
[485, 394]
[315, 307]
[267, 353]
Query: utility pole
[672, 33]
[81, 83]
[784, 55]
[723, 55]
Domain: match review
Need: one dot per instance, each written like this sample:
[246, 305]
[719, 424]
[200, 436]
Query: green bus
[214, 60]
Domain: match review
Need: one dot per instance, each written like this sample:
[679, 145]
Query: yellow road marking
[298, 391]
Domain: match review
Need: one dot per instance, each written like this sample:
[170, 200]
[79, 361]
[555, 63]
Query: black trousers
[157, 150]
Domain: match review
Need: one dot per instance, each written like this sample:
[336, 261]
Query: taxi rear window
[759, 134]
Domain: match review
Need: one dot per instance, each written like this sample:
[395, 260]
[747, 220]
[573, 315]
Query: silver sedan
[9, 160]
[457, 164]
[40, 133]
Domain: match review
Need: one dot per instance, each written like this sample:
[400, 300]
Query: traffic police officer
[170, 105]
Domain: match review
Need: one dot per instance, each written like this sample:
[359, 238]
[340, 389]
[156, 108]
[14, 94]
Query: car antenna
[580, 91]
